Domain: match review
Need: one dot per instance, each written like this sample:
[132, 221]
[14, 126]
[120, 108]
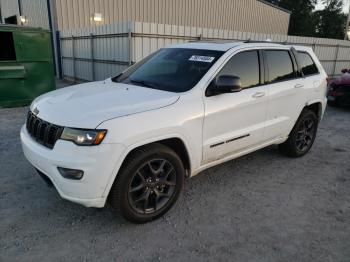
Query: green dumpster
[26, 65]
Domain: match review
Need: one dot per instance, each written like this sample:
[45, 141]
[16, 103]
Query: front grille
[43, 132]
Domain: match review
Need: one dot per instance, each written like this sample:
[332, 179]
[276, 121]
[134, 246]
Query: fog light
[70, 173]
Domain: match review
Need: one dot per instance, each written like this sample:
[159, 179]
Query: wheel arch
[316, 107]
[175, 142]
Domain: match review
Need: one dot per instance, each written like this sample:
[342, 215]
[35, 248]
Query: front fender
[136, 145]
[183, 120]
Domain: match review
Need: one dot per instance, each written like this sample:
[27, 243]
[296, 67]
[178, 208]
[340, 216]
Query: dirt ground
[261, 207]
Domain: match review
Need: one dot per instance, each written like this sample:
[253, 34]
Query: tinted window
[7, 47]
[307, 64]
[280, 65]
[245, 65]
[171, 69]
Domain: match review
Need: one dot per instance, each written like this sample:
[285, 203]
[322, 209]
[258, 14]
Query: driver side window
[244, 65]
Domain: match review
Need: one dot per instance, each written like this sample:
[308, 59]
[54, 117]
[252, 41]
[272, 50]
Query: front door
[235, 122]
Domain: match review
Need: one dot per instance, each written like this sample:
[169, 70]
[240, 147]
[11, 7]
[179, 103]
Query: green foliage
[331, 21]
[304, 21]
[301, 22]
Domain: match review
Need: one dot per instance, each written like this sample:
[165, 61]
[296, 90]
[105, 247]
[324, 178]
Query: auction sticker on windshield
[204, 59]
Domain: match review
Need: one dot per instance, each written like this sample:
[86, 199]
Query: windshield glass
[171, 69]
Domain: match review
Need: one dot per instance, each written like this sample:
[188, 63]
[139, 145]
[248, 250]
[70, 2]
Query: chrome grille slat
[43, 132]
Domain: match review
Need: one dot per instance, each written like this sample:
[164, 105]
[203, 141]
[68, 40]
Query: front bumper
[97, 162]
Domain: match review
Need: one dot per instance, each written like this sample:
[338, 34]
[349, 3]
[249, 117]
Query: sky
[346, 6]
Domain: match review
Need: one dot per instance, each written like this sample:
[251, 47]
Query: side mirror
[224, 84]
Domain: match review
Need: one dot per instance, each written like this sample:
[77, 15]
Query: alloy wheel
[305, 135]
[152, 186]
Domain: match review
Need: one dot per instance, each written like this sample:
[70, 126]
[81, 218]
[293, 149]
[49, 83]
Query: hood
[87, 105]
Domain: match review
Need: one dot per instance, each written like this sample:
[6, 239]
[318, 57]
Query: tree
[301, 19]
[331, 21]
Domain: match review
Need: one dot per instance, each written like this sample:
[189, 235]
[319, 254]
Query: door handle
[299, 86]
[258, 95]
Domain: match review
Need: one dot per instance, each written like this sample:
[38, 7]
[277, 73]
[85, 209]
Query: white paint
[136, 116]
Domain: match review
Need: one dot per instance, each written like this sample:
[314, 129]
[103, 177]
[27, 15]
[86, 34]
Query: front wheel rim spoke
[137, 188]
[153, 171]
[145, 204]
[142, 197]
[161, 194]
[169, 183]
[161, 167]
[165, 177]
[141, 176]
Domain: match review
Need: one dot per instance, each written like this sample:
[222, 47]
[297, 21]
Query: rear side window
[244, 65]
[307, 65]
[280, 65]
[7, 47]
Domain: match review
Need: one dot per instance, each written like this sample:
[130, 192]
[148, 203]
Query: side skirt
[236, 155]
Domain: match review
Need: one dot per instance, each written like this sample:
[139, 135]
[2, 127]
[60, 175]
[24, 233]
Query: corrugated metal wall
[9, 8]
[98, 57]
[34, 10]
[239, 15]
[113, 47]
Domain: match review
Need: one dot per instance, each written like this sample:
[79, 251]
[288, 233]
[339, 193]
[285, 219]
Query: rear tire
[148, 184]
[302, 135]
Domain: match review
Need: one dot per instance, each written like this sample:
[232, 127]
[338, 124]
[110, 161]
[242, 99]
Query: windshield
[171, 69]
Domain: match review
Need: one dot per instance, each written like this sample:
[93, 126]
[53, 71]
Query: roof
[275, 6]
[219, 45]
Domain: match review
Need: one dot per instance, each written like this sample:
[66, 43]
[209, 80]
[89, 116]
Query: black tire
[302, 135]
[137, 181]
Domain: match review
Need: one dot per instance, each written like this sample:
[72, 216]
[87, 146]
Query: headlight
[83, 137]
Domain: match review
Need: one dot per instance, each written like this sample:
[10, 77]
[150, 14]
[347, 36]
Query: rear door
[235, 122]
[285, 87]
[312, 80]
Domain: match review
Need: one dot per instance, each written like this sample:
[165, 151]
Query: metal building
[239, 15]
[256, 16]
[34, 11]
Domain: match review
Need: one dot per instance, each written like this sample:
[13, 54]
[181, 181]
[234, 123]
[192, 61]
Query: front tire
[148, 184]
[302, 136]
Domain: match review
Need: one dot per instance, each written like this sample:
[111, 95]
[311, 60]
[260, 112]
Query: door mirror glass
[225, 84]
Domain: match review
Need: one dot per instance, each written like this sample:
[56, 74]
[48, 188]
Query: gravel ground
[261, 207]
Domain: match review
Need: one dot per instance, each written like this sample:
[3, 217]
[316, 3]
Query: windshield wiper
[143, 83]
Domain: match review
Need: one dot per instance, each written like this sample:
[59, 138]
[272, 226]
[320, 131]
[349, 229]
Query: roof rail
[267, 41]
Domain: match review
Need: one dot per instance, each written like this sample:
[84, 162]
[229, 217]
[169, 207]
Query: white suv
[134, 138]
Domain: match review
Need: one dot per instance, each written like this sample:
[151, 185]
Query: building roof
[275, 6]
